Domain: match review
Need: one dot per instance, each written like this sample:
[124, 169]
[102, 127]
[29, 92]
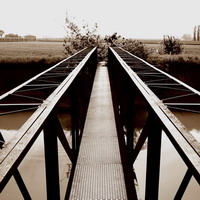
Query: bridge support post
[51, 159]
[153, 158]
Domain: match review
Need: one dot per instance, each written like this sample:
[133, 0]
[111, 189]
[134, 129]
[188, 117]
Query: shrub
[171, 45]
[137, 48]
[133, 46]
[78, 38]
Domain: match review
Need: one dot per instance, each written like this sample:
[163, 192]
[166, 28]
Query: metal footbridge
[102, 103]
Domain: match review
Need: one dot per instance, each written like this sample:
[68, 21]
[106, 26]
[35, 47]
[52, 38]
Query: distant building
[16, 38]
[30, 37]
[11, 35]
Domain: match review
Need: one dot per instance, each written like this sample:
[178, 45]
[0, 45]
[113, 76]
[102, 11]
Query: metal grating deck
[99, 173]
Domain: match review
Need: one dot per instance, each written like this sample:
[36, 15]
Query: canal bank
[14, 74]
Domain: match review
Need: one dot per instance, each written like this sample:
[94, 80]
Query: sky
[141, 19]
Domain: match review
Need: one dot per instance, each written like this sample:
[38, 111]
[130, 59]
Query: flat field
[51, 52]
[190, 47]
[190, 54]
[31, 52]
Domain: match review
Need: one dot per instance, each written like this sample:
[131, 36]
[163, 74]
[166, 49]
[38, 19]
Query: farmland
[51, 52]
[31, 52]
[190, 55]
[192, 49]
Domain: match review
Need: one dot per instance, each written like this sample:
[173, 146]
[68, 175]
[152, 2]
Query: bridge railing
[64, 88]
[143, 116]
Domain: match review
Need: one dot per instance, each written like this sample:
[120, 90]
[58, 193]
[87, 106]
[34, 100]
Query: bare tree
[79, 37]
[194, 34]
[1, 33]
[198, 33]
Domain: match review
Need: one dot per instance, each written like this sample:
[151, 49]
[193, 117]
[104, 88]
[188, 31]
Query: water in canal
[32, 168]
[172, 168]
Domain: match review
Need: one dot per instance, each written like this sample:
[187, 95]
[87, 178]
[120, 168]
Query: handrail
[161, 118]
[38, 75]
[15, 150]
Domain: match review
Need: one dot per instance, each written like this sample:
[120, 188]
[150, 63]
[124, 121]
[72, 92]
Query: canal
[32, 168]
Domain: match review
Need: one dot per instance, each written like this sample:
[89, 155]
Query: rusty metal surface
[99, 172]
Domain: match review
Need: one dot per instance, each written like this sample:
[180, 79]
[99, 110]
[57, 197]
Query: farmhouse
[16, 38]
[11, 35]
[30, 37]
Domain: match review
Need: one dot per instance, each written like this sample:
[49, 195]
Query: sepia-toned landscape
[99, 100]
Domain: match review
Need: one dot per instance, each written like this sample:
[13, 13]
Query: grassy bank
[174, 60]
[19, 61]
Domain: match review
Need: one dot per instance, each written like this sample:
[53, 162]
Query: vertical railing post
[153, 158]
[2, 141]
[51, 159]
[74, 121]
[130, 122]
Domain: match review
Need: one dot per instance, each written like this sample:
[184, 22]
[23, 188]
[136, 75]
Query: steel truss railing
[70, 79]
[138, 85]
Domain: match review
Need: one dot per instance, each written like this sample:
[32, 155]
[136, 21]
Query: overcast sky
[129, 18]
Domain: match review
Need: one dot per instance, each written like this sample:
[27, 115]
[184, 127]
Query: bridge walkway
[99, 171]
